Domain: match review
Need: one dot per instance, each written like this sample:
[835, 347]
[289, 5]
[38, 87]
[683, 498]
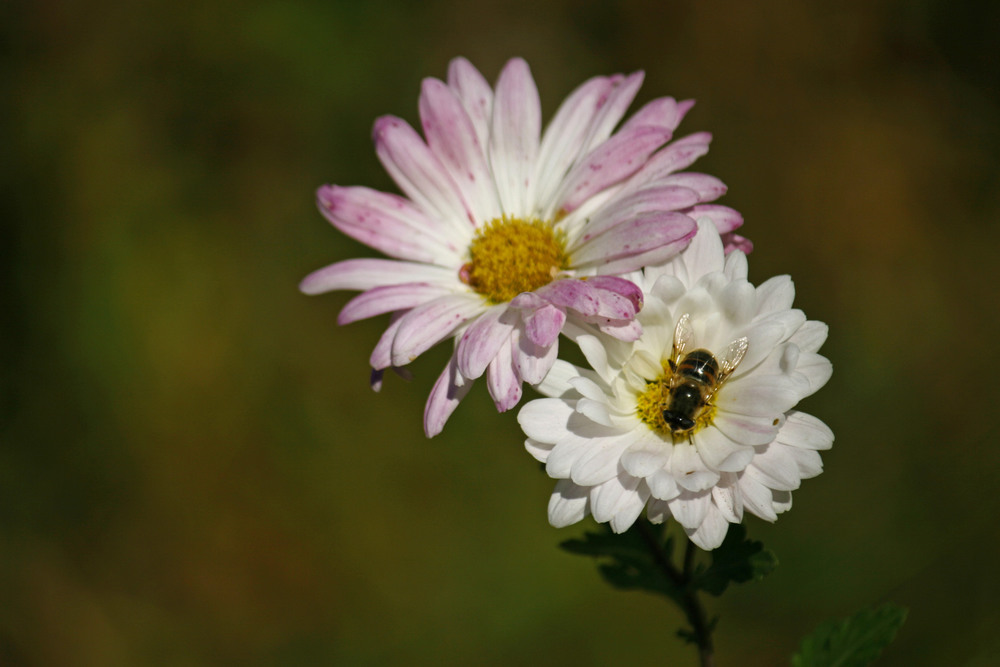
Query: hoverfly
[696, 377]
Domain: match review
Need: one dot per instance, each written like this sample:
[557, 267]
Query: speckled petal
[447, 393]
[475, 93]
[389, 223]
[420, 175]
[430, 323]
[477, 347]
[502, 379]
[452, 137]
[515, 136]
[389, 298]
[363, 274]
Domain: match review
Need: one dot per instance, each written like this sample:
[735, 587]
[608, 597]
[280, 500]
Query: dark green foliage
[854, 642]
[641, 559]
[737, 559]
[633, 564]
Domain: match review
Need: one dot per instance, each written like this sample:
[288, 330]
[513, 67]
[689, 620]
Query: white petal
[744, 429]
[808, 460]
[568, 504]
[712, 531]
[728, 499]
[736, 266]
[573, 446]
[690, 508]
[657, 511]
[759, 396]
[689, 470]
[589, 389]
[804, 430]
[663, 485]
[545, 419]
[816, 369]
[643, 459]
[720, 452]
[540, 450]
[515, 136]
[810, 336]
[557, 381]
[775, 294]
[601, 461]
[614, 495]
[782, 501]
[596, 411]
[757, 498]
[775, 467]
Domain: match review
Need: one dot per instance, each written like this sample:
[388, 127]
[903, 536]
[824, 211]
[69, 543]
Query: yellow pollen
[512, 255]
[651, 403]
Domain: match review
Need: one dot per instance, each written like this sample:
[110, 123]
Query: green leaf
[632, 565]
[854, 642]
[736, 560]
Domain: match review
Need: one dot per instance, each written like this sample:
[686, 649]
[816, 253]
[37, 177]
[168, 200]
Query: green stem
[689, 597]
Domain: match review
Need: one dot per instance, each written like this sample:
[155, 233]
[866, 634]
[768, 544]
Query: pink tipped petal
[675, 156]
[517, 126]
[381, 357]
[653, 258]
[642, 234]
[448, 392]
[430, 323]
[452, 137]
[363, 274]
[626, 331]
[564, 138]
[528, 301]
[542, 326]
[389, 298]
[663, 112]
[612, 109]
[479, 344]
[532, 362]
[418, 172]
[625, 288]
[643, 201]
[709, 188]
[588, 300]
[613, 161]
[475, 93]
[502, 380]
[724, 218]
[736, 242]
[387, 223]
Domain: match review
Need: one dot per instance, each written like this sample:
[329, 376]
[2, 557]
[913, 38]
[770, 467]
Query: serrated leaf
[854, 642]
[632, 563]
[737, 560]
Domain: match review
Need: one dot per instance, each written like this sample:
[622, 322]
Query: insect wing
[682, 336]
[732, 357]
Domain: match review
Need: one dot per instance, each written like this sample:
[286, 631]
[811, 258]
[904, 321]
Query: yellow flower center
[512, 255]
[656, 398]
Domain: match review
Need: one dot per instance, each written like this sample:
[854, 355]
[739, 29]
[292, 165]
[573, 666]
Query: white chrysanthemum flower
[666, 429]
[506, 232]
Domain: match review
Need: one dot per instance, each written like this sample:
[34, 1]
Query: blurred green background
[193, 470]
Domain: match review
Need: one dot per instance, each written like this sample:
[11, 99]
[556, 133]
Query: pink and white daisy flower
[506, 232]
[696, 419]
